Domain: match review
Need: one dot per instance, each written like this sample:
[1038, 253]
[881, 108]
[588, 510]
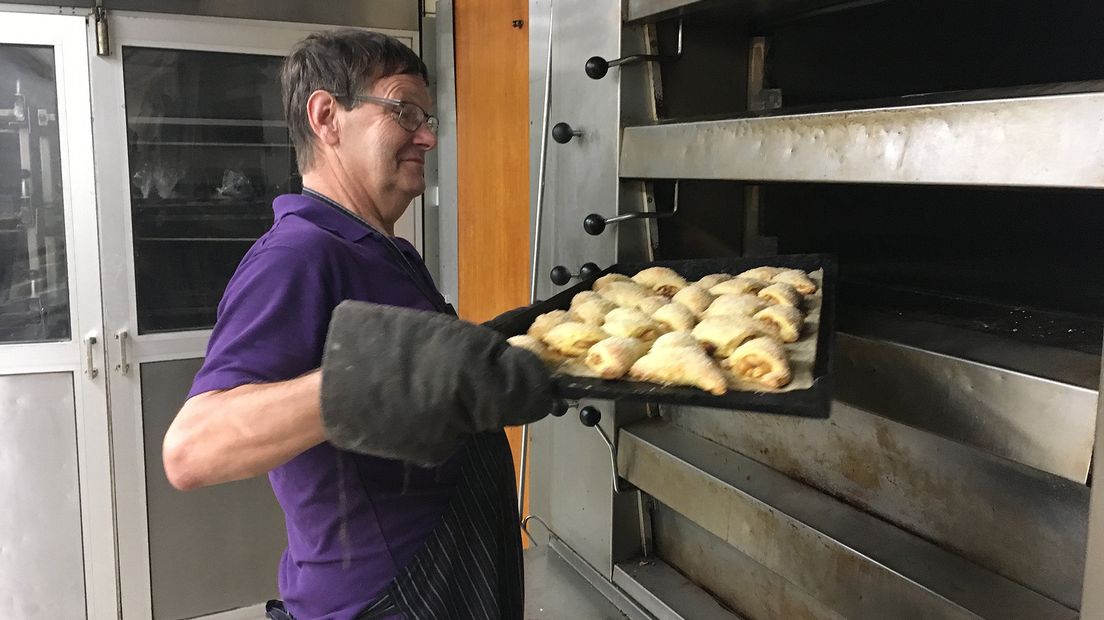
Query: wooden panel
[492, 113]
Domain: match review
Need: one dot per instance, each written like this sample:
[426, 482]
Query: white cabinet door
[191, 147]
[57, 542]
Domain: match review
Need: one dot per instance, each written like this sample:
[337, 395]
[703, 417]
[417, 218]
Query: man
[371, 532]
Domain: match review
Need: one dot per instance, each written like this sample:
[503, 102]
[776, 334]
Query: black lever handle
[563, 133]
[594, 224]
[561, 276]
[590, 416]
[596, 67]
[559, 408]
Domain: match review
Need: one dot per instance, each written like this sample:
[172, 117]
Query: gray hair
[345, 62]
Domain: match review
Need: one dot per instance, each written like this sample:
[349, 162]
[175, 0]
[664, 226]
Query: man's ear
[322, 115]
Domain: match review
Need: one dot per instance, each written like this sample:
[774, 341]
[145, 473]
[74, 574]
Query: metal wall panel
[41, 559]
[212, 549]
[393, 14]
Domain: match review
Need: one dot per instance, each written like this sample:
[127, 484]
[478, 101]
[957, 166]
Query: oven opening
[1021, 266]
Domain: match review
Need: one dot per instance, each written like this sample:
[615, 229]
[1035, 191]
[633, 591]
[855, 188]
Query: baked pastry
[649, 305]
[721, 335]
[608, 279]
[534, 345]
[675, 316]
[592, 310]
[694, 297]
[782, 293]
[631, 323]
[611, 358]
[680, 366]
[739, 286]
[735, 306]
[713, 279]
[761, 360]
[661, 280]
[547, 321]
[625, 294]
[786, 321]
[761, 273]
[573, 338]
[797, 279]
[676, 339]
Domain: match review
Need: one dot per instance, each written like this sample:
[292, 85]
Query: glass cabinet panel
[34, 290]
[208, 150]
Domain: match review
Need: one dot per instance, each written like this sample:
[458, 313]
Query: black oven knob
[561, 276]
[596, 67]
[563, 133]
[590, 416]
[559, 408]
[594, 224]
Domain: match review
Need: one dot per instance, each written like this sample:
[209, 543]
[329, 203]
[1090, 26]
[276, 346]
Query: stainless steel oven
[951, 158]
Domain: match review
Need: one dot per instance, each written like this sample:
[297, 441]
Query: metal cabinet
[130, 186]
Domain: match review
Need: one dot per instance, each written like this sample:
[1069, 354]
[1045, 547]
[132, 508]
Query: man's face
[386, 160]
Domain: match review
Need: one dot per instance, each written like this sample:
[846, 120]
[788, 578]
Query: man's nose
[424, 138]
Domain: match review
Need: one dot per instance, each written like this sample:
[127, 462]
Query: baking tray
[813, 402]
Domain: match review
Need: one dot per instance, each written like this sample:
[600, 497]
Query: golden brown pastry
[694, 297]
[762, 360]
[711, 280]
[786, 321]
[534, 345]
[631, 323]
[680, 366]
[625, 294]
[608, 279]
[661, 280]
[735, 306]
[649, 305]
[547, 321]
[677, 339]
[721, 335]
[572, 338]
[583, 296]
[675, 316]
[593, 310]
[797, 279]
[761, 273]
[739, 286]
[783, 294]
[611, 358]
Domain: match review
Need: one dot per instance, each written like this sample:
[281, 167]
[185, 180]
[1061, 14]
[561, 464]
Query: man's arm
[227, 435]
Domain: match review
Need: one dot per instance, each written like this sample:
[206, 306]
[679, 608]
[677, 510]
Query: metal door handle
[591, 416]
[89, 344]
[124, 365]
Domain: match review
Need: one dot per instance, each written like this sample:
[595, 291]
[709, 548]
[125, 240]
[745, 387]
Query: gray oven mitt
[412, 385]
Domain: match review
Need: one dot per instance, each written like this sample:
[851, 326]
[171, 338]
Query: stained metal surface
[1053, 141]
[743, 584]
[1039, 422]
[394, 14]
[41, 558]
[1092, 605]
[554, 590]
[624, 604]
[852, 562]
[665, 593]
[211, 549]
[651, 10]
[1013, 520]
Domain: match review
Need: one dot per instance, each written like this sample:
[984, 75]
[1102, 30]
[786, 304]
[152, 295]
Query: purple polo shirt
[352, 521]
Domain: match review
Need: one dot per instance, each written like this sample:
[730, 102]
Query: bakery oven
[949, 157]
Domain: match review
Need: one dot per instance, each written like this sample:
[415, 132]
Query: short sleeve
[271, 323]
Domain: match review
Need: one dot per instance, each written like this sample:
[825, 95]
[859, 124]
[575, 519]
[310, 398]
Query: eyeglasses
[410, 116]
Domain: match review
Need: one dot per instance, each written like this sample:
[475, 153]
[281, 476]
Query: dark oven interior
[1023, 264]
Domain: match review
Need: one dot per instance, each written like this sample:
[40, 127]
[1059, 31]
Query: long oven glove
[412, 385]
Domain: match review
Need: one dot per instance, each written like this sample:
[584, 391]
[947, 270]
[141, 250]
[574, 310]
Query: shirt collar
[322, 215]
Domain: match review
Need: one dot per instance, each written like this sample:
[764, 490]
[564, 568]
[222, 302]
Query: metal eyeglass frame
[430, 121]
